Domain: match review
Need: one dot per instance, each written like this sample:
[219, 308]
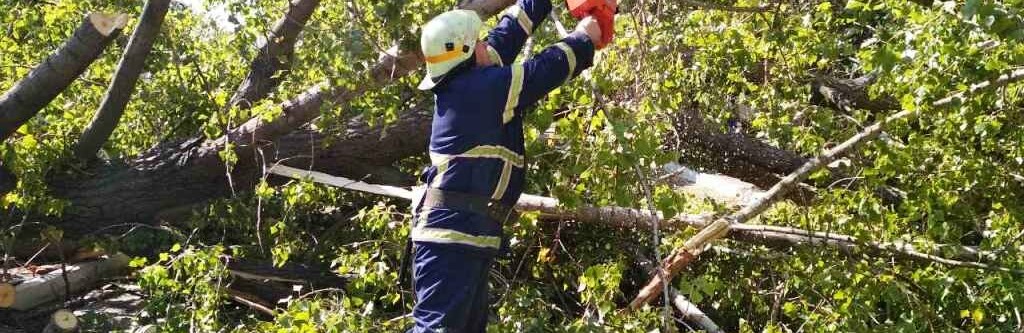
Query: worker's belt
[472, 203]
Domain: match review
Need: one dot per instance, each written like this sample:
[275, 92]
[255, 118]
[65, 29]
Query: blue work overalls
[476, 148]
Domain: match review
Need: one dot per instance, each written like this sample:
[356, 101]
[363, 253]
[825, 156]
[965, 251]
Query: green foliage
[958, 167]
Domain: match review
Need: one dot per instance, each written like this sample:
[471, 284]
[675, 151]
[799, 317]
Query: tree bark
[121, 87]
[275, 55]
[56, 73]
[848, 94]
[8, 181]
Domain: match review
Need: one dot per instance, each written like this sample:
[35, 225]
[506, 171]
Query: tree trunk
[51, 286]
[275, 55]
[121, 87]
[56, 73]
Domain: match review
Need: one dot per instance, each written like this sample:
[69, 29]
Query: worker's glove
[590, 26]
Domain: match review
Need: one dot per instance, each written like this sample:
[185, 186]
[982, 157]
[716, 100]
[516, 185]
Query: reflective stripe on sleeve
[515, 87]
[493, 54]
[446, 236]
[517, 13]
[570, 57]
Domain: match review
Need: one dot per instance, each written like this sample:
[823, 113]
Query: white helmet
[448, 40]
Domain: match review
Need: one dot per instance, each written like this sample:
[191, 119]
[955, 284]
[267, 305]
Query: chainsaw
[602, 10]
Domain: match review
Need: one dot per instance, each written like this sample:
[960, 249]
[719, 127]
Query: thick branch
[56, 73]
[696, 244]
[275, 56]
[121, 87]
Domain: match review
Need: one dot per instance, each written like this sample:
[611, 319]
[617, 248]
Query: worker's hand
[589, 26]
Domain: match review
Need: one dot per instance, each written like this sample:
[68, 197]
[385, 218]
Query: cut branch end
[106, 24]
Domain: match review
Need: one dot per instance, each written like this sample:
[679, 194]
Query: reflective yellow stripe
[445, 236]
[445, 56]
[570, 57]
[515, 87]
[442, 167]
[495, 57]
[499, 190]
[520, 16]
[486, 151]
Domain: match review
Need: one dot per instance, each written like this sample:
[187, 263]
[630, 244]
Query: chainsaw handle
[605, 17]
[601, 10]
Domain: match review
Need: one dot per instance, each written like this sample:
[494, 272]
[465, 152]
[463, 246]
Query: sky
[218, 13]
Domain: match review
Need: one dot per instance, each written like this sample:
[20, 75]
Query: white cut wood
[105, 23]
[62, 321]
[50, 286]
[719, 188]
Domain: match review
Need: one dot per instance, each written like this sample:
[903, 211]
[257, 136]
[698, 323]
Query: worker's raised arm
[547, 70]
[506, 40]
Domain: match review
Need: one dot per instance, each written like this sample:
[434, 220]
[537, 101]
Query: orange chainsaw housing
[602, 10]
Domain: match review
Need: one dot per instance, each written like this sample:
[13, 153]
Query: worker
[477, 167]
